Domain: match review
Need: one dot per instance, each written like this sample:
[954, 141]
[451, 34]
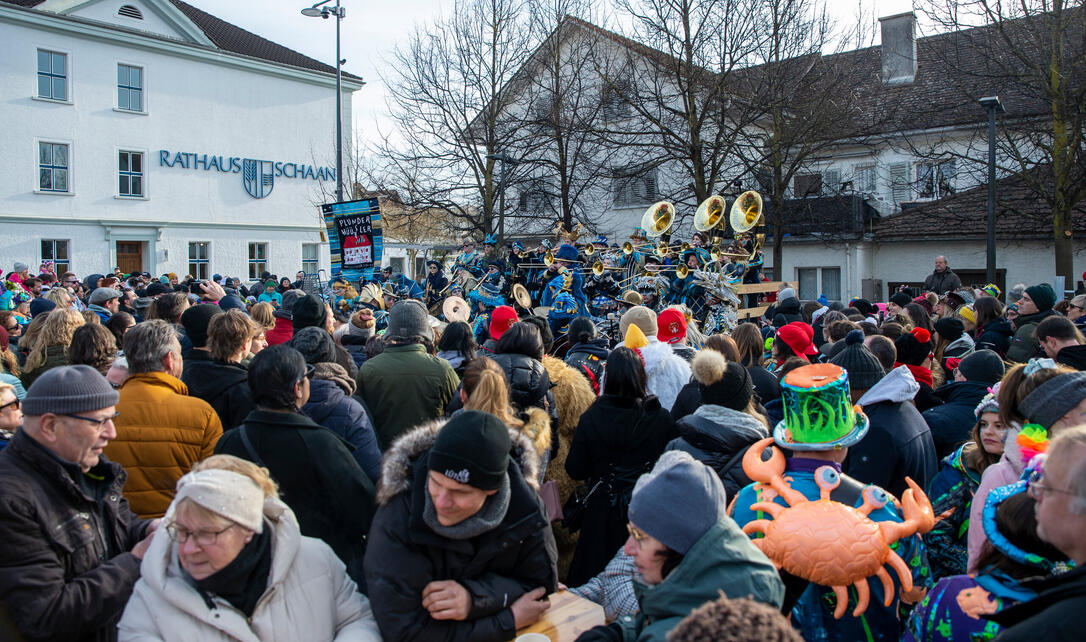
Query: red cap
[671, 326]
[799, 337]
[501, 319]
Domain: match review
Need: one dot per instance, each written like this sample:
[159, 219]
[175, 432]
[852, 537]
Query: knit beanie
[156, 289]
[195, 321]
[901, 299]
[966, 312]
[864, 306]
[409, 319]
[19, 266]
[315, 344]
[678, 502]
[1046, 405]
[984, 366]
[861, 365]
[1043, 295]
[39, 305]
[642, 317]
[226, 493]
[290, 297]
[69, 390]
[950, 328]
[721, 383]
[913, 347]
[786, 293]
[671, 326]
[472, 448]
[308, 311]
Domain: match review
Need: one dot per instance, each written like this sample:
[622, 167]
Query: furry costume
[667, 372]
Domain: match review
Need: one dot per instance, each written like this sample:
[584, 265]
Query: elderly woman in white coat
[231, 564]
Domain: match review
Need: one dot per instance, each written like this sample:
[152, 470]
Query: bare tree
[449, 109]
[1032, 53]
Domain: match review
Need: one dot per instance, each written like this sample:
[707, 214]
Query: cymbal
[455, 309]
[521, 296]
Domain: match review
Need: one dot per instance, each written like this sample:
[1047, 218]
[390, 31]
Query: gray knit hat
[20, 267]
[679, 501]
[409, 319]
[290, 297]
[862, 366]
[315, 344]
[1051, 400]
[69, 389]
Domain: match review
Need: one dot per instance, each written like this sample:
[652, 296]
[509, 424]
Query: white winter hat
[231, 495]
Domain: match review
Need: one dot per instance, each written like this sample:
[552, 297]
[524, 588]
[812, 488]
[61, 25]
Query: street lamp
[992, 104]
[503, 159]
[318, 11]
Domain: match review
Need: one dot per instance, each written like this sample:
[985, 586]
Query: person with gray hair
[72, 548]
[161, 431]
[406, 384]
[1059, 488]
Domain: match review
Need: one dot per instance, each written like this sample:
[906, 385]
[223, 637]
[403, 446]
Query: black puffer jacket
[716, 436]
[528, 380]
[787, 311]
[496, 567]
[65, 567]
[995, 335]
[223, 385]
[590, 359]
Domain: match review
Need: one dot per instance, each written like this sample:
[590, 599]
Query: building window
[199, 265]
[52, 75]
[534, 198]
[865, 179]
[53, 167]
[935, 179]
[130, 174]
[57, 252]
[258, 260]
[634, 188]
[615, 104]
[396, 263]
[129, 88]
[831, 182]
[814, 282]
[310, 258]
[420, 268]
[900, 189]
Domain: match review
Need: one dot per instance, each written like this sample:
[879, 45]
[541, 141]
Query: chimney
[899, 49]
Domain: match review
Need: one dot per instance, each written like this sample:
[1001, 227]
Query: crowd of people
[186, 459]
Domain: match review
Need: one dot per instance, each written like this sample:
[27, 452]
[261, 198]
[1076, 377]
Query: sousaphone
[455, 309]
[658, 219]
[521, 296]
[746, 212]
[710, 213]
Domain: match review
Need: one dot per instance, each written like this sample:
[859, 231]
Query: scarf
[487, 519]
[920, 373]
[334, 372]
[244, 580]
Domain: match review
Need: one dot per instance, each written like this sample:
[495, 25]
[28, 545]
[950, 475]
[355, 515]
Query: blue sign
[258, 176]
[354, 257]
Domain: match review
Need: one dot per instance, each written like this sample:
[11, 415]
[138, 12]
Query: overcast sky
[372, 28]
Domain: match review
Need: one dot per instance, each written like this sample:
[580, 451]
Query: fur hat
[721, 383]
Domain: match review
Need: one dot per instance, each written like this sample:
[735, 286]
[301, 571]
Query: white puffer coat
[309, 596]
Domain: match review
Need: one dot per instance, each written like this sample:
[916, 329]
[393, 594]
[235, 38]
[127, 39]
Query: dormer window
[128, 11]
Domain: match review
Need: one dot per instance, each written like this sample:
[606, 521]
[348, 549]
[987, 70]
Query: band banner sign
[354, 237]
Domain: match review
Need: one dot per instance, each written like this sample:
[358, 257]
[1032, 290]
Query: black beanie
[862, 366]
[950, 328]
[864, 306]
[195, 321]
[472, 448]
[721, 383]
[913, 347]
[315, 344]
[308, 311]
[984, 366]
[901, 299]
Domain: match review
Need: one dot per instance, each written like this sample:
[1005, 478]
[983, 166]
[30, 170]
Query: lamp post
[502, 158]
[992, 104]
[318, 11]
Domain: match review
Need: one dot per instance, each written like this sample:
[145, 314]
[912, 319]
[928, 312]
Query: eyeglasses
[1036, 488]
[99, 423]
[636, 534]
[15, 403]
[203, 538]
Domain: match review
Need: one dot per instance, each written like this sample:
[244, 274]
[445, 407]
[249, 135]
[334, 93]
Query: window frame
[858, 173]
[38, 142]
[315, 261]
[624, 187]
[197, 261]
[66, 262]
[820, 282]
[142, 174]
[142, 88]
[68, 68]
[931, 178]
[251, 262]
[814, 184]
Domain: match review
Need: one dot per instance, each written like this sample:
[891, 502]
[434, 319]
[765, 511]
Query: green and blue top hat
[818, 410]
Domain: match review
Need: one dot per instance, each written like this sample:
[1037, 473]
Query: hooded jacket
[331, 406]
[590, 359]
[65, 567]
[318, 478]
[723, 560]
[1024, 346]
[958, 348]
[786, 312]
[995, 336]
[161, 433]
[1074, 356]
[308, 595]
[952, 421]
[715, 435]
[283, 330]
[951, 490]
[404, 554]
[898, 443]
[1055, 614]
[223, 385]
[667, 372]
